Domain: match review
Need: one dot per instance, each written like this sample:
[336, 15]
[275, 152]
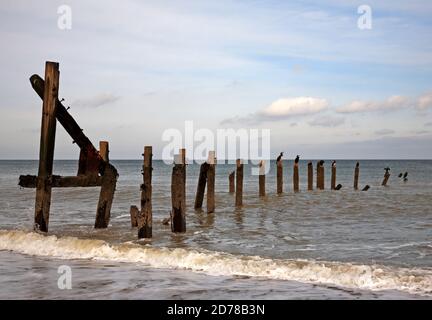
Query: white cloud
[391, 103]
[327, 121]
[283, 109]
[384, 132]
[425, 101]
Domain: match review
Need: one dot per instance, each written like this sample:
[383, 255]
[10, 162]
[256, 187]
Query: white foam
[371, 277]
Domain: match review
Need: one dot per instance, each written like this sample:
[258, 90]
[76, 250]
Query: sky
[130, 70]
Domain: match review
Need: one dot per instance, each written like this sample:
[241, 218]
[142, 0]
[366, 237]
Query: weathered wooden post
[356, 175]
[231, 179]
[211, 182]
[310, 176]
[134, 212]
[202, 181]
[261, 179]
[108, 185]
[239, 183]
[296, 175]
[386, 176]
[47, 143]
[279, 177]
[333, 176]
[146, 216]
[320, 175]
[178, 194]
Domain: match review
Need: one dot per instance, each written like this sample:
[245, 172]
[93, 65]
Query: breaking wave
[370, 277]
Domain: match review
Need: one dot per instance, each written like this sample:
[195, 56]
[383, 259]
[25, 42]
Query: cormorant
[400, 175]
[297, 159]
[321, 163]
[280, 157]
[333, 163]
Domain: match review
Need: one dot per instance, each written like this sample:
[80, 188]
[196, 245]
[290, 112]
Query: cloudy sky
[303, 69]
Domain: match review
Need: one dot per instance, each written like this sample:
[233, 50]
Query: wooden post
[279, 177]
[108, 185]
[47, 143]
[145, 218]
[202, 180]
[134, 212]
[211, 182]
[296, 177]
[356, 175]
[261, 178]
[386, 177]
[310, 176]
[320, 175]
[178, 194]
[231, 182]
[239, 183]
[333, 176]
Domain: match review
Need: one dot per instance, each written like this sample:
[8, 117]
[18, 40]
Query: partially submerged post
[239, 183]
[320, 175]
[310, 176]
[178, 193]
[261, 178]
[333, 176]
[202, 181]
[93, 168]
[296, 175]
[134, 212]
[145, 218]
[386, 176]
[356, 175]
[211, 182]
[279, 176]
[231, 179]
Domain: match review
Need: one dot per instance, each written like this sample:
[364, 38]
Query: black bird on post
[297, 159]
[400, 175]
[405, 177]
[279, 157]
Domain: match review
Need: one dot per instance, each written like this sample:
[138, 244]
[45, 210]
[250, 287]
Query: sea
[320, 244]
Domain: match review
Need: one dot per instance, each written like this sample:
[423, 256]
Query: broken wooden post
[231, 179]
[279, 177]
[202, 180]
[320, 175]
[145, 216]
[386, 176]
[239, 183]
[211, 182]
[296, 177]
[261, 178]
[310, 176]
[333, 176]
[47, 143]
[178, 193]
[108, 185]
[134, 212]
[356, 175]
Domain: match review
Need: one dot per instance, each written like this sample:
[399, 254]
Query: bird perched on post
[321, 163]
[405, 177]
[387, 169]
[297, 159]
[333, 163]
[357, 164]
[279, 157]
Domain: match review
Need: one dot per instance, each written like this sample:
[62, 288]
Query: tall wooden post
[356, 175]
[47, 143]
[386, 177]
[202, 181]
[178, 194]
[279, 177]
[320, 175]
[146, 216]
[239, 183]
[231, 179]
[262, 178]
[109, 180]
[211, 182]
[310, 176]
[333, 176]
[134, 212]
[296, 177]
